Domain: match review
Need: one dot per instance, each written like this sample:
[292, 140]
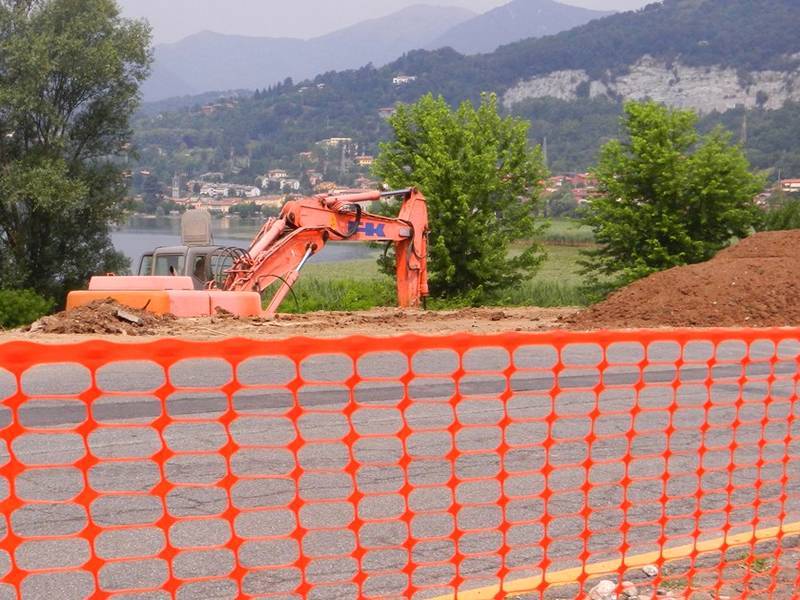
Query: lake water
[143, 234]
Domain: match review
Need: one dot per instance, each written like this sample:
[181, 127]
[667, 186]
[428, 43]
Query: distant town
[269, 192]
[331, 165]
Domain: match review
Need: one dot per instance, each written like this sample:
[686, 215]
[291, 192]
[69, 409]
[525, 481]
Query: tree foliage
[668, 196]
[21, 307]
[783, 212]
[69, 77]
[481, 179]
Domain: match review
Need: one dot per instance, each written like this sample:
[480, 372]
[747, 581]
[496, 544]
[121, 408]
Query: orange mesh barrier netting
[532, 465]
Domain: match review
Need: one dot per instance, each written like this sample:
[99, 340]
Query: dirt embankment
[755, 283]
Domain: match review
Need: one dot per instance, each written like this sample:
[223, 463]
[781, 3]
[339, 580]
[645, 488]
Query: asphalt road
[448, 469]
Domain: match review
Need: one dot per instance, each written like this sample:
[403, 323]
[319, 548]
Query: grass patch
[545, 293]
[316, 294]
[567, 232]
[362, 269]
[561, 265]
[359, 285]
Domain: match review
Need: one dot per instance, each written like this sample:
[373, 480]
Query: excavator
[199, 279]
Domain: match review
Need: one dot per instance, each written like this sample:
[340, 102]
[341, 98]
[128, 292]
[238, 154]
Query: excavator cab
[198, 262]
[197, 258]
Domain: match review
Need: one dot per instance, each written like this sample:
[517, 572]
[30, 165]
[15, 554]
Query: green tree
[481, 179]
[70, 71]
[562, 203]
[668, 196]
[783, 212]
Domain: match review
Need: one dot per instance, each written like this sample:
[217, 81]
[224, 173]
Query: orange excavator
[198, 278]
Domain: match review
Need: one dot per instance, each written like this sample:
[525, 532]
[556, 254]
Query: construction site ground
[99, 323]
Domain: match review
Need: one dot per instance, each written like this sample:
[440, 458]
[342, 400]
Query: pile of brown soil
[755, 283]
[101, 317]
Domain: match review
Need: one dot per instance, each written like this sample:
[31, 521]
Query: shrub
[22, 307]
[784, 215]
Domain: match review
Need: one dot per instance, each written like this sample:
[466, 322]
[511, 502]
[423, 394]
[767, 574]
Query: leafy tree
[152, 194]
[69, 77]
[481, 179]
[667, 196]
[562, 203]
[22, 307]
[783, 212]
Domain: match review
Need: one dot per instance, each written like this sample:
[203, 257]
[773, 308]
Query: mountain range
[210, 61]
[513, 22]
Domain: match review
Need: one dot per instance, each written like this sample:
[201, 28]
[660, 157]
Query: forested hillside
[272, 127]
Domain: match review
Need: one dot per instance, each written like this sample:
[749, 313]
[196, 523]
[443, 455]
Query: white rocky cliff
[703, 89]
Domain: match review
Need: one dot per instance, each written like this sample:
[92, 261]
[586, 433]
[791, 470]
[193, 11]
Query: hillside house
[277, 174]
[365, 183]
[214, 190]
[245, 191]
[272, 201]
[228, 190]
[403, 79]
[365, 160]
[292, 185]
[325, 187]
[220, 205]
[335, 142]
[212, 176]
[790, 186]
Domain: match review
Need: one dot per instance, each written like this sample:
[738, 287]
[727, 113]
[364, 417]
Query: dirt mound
[755, 283]
[102, 317]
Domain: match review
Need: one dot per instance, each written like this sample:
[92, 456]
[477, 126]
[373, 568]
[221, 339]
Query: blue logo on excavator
[370, 229]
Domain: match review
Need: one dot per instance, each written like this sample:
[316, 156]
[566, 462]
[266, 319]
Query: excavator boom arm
[283, 245]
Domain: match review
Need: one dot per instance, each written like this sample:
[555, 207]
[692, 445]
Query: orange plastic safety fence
[531, 465]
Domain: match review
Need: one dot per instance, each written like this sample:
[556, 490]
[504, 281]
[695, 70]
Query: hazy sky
[175, 19]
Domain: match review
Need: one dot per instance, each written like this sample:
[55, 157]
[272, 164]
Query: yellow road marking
[611, 566]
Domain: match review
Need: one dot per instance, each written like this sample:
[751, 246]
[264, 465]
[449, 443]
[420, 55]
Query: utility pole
[744, 128]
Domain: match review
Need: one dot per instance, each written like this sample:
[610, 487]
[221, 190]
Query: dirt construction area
[755, 283]
[101, 321]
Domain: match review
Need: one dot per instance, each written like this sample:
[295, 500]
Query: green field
[359, 285]
[567, 232]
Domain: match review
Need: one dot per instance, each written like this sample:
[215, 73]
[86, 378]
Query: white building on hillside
[404, 79]
[290, 184]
